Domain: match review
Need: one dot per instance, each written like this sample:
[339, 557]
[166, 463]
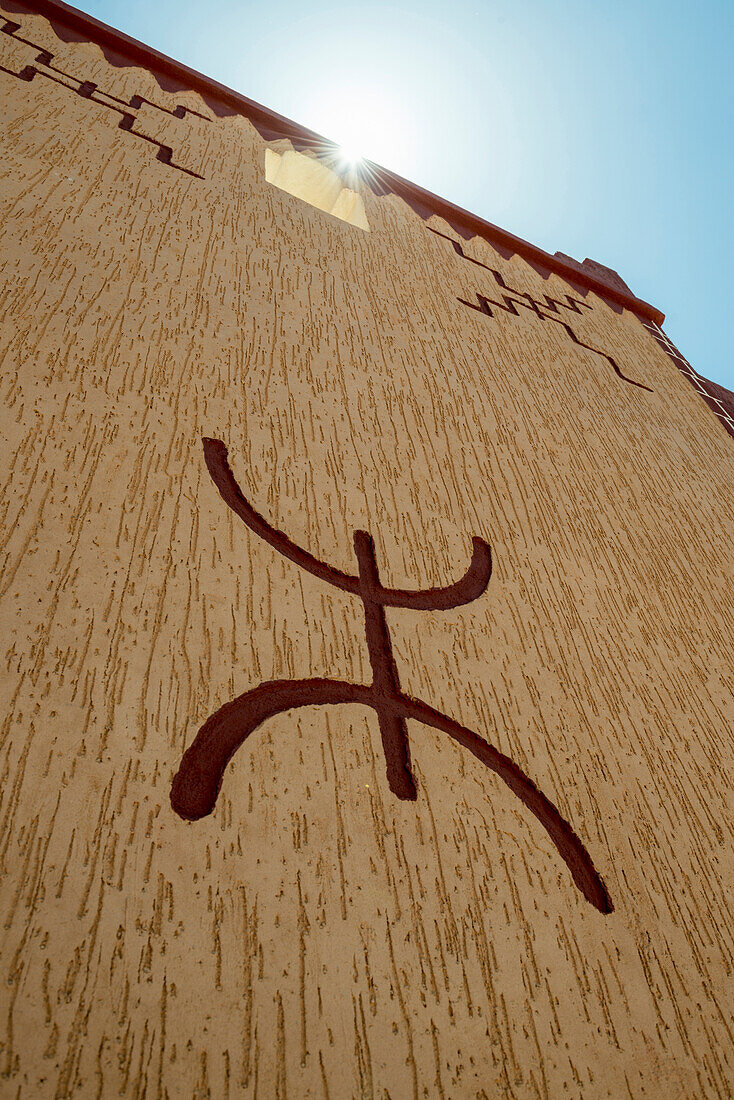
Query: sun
[349, 156]
[366, 123]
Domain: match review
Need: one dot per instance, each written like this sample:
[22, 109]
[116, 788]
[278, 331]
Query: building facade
[367, 605]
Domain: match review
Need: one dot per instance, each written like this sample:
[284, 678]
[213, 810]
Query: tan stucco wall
[315, 936]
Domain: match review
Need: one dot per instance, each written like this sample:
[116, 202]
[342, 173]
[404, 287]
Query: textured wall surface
[316, 936]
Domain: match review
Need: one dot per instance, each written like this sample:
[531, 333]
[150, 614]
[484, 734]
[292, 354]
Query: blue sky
[600, 130]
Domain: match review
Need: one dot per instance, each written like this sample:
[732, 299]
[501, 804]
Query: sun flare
[366, 124]
[349, 156]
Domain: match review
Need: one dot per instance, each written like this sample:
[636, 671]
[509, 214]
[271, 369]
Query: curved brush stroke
[199, 778]
[471, 585]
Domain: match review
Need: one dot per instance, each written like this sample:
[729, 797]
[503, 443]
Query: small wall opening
[307, 178]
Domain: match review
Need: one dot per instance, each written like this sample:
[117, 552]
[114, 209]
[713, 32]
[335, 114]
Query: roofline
[137, 53]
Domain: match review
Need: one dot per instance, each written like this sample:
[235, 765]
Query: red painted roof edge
[138, 53]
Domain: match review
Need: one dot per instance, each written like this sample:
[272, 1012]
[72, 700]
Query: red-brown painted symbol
[198, 780]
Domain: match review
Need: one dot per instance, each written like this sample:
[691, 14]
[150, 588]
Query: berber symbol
[198, 780]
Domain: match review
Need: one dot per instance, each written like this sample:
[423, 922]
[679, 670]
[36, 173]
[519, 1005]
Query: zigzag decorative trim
[551, 303]
[70, 24]
[87, 89]
[525, 299]
[702, 385]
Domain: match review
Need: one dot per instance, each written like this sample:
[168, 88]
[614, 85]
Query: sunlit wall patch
[308, 178]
